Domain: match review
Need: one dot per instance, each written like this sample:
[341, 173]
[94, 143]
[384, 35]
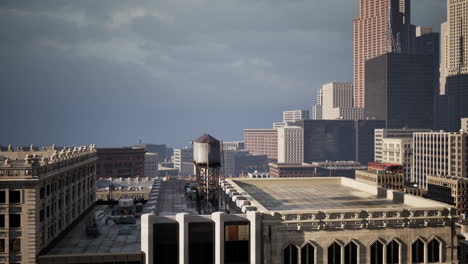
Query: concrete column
[255, 236]
[218, 219]
[147, 238]
[182, 218]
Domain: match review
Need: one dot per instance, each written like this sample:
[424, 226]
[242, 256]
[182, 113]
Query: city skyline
[141, 72]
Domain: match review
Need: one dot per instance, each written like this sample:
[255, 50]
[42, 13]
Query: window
[42, 193]
[2, 197]
[417, 251]
[2, 245]
[377, 252]
[433, 249]
[15, 196]
[2, 220]
[351, 252]
[308, 254]
[393, 252]
[290, 254]
[334, 253]
[41, 215]
[48, 189]
[15, 245]
[15, 220]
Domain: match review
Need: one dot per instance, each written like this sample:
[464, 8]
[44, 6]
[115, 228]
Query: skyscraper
[399, 89]
[453, 92]
[383, 26]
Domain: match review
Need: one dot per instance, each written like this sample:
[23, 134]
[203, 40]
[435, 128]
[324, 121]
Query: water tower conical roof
[206, 138]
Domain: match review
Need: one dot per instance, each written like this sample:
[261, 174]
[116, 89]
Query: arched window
[433, 251]
[308, 254]
[351, 253]
[334, 253]
[417, 251]
[290, 254]
[393, 252]
[376, 252]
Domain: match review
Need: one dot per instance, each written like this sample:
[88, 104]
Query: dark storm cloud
[113, 71]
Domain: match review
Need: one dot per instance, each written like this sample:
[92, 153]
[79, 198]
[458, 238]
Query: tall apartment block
[42, 192]
[183, 161]
[439, 154]
[454, 66]
[399, 88]
[382, 26]
[126, 162]
[290, 144]
[383, 133]
[337, 102]
[262, 142]
[295, 115]
[317, 108]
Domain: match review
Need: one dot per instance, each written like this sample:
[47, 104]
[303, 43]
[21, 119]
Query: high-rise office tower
[290, 144]
[337, 102]
[400, 89]
[454, 66]
[383, 26]
[262, 142]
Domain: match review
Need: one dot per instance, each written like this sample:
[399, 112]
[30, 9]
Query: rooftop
[323, 193]
[112, 238]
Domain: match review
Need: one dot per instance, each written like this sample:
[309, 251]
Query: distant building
[464, 124]
[258, 175]
[317, 112]
[42, 193]
[400, 89]
[236, 145]
[291, 170]
[151, 165]
[386, 178]
[450, 190]
[317, 109]
[295, 115]
[113, 189]
[279, 124]
[167, 172]
[262, 142]
[290, 144]
[439, 154]
[398, 151]
[380, 28]
[339, 139]
[382, 133]
[122, 162]
[159, 149]
[337, 168]
[454, 67]
[183, 161]
[241, 162]
[337, 102]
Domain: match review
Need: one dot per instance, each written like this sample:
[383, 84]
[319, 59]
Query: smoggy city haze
[111, 72]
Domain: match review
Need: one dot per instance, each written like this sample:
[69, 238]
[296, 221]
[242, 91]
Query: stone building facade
[292, 221]
[262, 142]
[42, 192]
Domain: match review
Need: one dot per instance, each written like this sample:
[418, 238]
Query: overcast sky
[111, 72]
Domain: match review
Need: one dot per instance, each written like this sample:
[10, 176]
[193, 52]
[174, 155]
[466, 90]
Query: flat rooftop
[113, 237]
[323, 193]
